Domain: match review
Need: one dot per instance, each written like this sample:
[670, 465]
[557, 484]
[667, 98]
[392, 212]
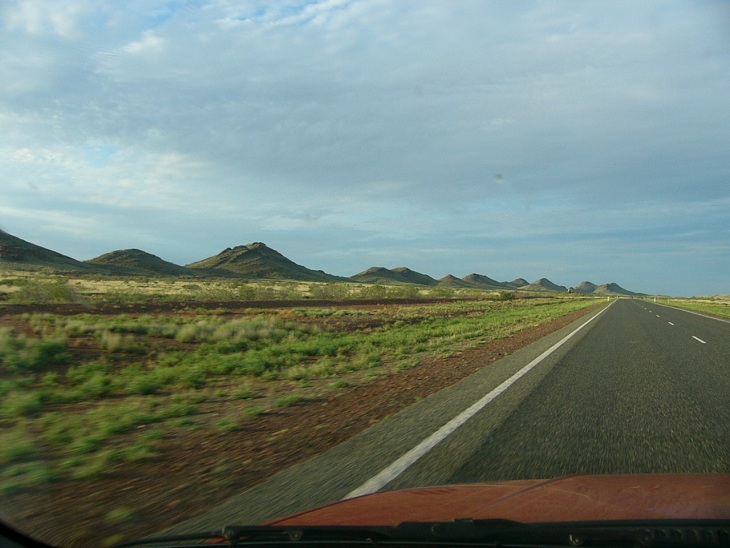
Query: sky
[569, 140]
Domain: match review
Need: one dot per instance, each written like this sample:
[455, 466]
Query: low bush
[16, 446]
[22, 404]
[20, 353]
[290, 400]
[44, 291]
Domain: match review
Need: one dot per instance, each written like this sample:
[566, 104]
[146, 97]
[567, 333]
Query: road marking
[698, 339]
[658, 316]
[388, 474]
[670, 323]
[697, 313]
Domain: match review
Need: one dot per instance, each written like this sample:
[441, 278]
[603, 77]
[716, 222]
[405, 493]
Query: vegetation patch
[716, 307]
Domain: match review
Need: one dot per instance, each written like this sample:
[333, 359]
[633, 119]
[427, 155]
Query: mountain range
[257, 261]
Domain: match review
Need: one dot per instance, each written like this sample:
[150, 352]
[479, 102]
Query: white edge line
[388, 474]
[698, 339]
[696, 313]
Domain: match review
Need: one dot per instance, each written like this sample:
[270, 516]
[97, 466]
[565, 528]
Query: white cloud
[43, 17]
[148, 43]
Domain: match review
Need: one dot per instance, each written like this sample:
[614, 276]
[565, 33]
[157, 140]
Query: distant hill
[397, 276]
[517, 283]
[376, 275]
[413, 277]
[586, 287]
[19, 254]
[590, 288]
[543, 284]
[452, 281]
[614, 289]
[257, 260]
[484, 282]
[138, 262]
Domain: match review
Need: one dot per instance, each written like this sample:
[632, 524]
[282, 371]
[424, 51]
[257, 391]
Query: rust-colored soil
[200, 469]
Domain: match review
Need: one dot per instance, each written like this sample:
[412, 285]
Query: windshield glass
[259, 257]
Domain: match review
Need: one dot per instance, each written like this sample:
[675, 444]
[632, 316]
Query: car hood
[570, 498]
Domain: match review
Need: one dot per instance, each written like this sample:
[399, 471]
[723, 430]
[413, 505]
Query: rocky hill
[589, 288]
[390, 276]
[19, 254]
[138, 262]
[613, 289]
[452, 281]
[517, 283]
[543, 284]
[484, 282]
[586, 287]
[413, 277]
[257, 260]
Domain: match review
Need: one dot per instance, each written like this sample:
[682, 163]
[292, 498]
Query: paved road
[635, 387]
[647, 390]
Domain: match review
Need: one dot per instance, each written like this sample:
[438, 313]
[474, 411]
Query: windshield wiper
[504, 533]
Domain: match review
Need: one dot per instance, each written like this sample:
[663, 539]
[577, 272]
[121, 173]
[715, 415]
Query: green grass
[245, 392]
[290, 401]
[16, 446]
[718, 307]
[226, 425]
[255, 411]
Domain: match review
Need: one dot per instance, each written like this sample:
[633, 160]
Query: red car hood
[571, 498]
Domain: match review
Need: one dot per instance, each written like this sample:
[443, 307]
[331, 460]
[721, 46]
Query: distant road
[634, 387]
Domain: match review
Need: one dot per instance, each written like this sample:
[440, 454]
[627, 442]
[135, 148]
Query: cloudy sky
[570, 140]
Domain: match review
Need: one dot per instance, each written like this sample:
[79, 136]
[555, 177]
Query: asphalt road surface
[633, 388]
[646, 390]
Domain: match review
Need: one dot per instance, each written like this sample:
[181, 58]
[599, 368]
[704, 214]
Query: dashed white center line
[698, 339]
[670, 323]
[658, 316]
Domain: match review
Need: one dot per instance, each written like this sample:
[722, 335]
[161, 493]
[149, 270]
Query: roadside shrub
[25, 475]
[443, 292]
[290, 400]
[22, 353]
[226, 425]
[376, 291]
[51, 380]
[86, 444]
[254, 411]
[140, 384]
[331, 291]
[96, 386]
[403, 292]
[177, 410]
[37, 291]
[192, 377]
[118, 342]
[80, 373]
[16, 446]
[245, 392]
[22, 404]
